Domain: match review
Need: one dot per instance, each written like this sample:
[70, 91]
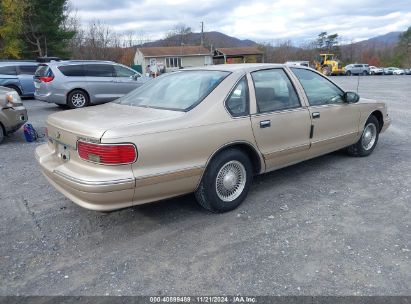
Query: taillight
[107, 154]
[46, 78]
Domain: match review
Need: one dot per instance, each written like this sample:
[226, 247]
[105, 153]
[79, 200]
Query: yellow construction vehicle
[329, 65]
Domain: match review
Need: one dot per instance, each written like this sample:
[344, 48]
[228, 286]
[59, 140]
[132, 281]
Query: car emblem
[58, 135]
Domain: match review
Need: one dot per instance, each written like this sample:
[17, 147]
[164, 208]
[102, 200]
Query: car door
[25, 74]
[126, 79]
[281, 124]
[335, 122]
[101, 83]
[359, 69]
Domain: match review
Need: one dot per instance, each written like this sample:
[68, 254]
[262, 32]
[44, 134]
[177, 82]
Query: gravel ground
[334, 225]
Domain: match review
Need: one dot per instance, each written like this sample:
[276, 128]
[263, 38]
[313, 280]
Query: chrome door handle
[316, 115]
[265, 124]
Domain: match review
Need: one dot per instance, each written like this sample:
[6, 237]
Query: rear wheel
[369, 138]
[77, 99]
[226, 181]
[348, 73]
[364, 73]
[1, 134]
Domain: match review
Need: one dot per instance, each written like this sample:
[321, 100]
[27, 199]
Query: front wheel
[348, 73]
[326, 71]
[77, 99]
[226, 182]
[369, 138]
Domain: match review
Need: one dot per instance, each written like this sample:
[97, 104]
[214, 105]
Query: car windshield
[179, 91]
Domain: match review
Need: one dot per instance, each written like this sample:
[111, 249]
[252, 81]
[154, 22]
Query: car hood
[94, 121]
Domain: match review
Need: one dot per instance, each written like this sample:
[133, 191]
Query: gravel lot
[334, 225]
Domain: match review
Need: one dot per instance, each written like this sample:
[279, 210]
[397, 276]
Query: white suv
[357, 69]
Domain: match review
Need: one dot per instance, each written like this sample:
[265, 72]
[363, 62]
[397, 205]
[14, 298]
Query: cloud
[261, 20]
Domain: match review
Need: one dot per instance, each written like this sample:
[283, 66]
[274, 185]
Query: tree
[177, 36]
[44, 28]
[327, 42]
[404, 46]
[11, 25]
[320, 42]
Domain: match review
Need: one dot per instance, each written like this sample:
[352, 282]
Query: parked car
[407, 71]
[389, 70]
[12, 112]
[398, 72]
[206, 130]
[376, 71]
[77, 84]
[299, 63]
[18, 75]
[357, 69]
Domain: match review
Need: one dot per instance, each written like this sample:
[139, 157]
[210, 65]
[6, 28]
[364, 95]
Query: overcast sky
[260, 20]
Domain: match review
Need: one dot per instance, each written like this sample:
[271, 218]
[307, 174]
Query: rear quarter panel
[175, 153]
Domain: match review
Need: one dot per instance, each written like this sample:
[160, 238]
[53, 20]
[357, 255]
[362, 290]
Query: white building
[171, 58]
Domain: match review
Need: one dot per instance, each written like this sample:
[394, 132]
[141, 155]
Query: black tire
[364, 73]
[73, 99]
[16, 89]
[206, 192]
[1, 134]
[326, 70]
[358, 148]
[348, 73]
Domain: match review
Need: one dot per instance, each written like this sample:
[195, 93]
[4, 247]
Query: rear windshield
[180, 91]
[43, 70]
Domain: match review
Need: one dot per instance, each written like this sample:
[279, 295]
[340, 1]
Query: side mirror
[135, 76]
[351, 97]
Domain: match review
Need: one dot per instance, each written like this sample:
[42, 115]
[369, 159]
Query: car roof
[76, 62]
[244, 67]
[9, 63]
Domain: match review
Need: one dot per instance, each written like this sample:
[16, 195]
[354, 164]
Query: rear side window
[99, 70]
[237, 102]
[274, 91]
[72, 70]
[27, 69]
[8, 70]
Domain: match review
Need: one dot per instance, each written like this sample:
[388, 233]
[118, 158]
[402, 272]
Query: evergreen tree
[44, 29]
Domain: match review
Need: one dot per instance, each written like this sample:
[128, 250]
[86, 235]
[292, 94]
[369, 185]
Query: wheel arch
[380, 118]
[14, 87]
[78, 89]
[255, 157]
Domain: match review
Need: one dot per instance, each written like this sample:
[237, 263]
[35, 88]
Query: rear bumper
[104, 190]
[51, 98]
[13, 118]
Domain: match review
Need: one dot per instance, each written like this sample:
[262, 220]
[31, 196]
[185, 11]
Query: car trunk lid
[91, 123]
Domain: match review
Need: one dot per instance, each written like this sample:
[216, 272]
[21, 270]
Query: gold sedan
[204, 130]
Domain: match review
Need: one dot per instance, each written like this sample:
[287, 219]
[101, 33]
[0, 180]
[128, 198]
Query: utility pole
[202, 33]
